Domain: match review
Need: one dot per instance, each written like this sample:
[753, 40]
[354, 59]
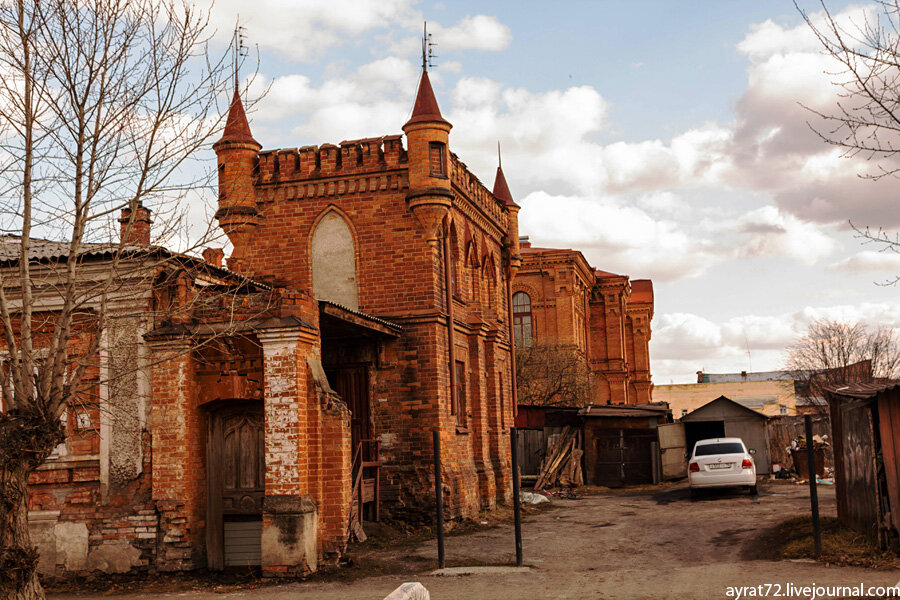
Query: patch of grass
[841, 545]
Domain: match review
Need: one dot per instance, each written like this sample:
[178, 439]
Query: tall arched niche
[334, 261]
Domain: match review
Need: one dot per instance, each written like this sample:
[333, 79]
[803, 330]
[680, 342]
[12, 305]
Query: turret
[501, 193]
[237, 154]
[427, 136]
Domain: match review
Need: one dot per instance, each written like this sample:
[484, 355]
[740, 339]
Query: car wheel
[754, 490]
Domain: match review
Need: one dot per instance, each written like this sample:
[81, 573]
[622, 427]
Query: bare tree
[835, 352]
[103, 107]
[866, 122]
[550, 375]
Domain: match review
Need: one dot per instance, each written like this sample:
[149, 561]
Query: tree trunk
[27, 437]
[18, 558]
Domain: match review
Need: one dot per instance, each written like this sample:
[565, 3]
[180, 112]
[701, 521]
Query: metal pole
[813, 491]
[438, 497]
[517, 508]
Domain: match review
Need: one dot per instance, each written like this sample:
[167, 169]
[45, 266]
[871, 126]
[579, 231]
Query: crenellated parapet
[469, 186]
[351, 157]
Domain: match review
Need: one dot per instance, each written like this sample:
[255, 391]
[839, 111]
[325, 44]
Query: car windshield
[719, 448]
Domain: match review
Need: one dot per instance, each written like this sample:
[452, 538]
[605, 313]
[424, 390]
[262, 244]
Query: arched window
[522, 319]
[334, 262]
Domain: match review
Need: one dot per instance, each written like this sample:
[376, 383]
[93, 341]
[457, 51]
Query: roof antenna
[239, 50]
[427, 48]
[749, 357]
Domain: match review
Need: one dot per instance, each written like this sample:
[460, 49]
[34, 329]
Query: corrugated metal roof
[379, 320]
[747, 376]
[863, 390]
[40, 249]
[600, 411]
[625, 410]
[50, 250]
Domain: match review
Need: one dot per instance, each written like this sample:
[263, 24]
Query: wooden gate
[235, 485]
[624, 457]
[672, 446]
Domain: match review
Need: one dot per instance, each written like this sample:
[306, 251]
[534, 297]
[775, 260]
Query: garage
[621, 443]
[725, 418]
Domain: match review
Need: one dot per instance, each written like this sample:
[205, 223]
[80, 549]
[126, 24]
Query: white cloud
[304, 29]
[479, 32]
[371, 101]
[684, 343]
[773, 233]
[622, 239]
[869, 261]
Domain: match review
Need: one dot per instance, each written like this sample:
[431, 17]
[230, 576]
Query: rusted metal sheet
[857, 486]
[889, 429]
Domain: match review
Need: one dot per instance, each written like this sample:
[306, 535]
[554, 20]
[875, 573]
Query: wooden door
[672, 446]
[352, 384]
[235, 485]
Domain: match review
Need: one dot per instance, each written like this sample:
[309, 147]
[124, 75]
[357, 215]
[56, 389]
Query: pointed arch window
[522, 321]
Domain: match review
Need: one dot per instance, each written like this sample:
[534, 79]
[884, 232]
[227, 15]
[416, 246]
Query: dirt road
[652, 544]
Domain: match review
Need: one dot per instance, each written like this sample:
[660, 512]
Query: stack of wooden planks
[562, 465]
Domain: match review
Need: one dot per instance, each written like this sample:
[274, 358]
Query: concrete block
[290, 529]
[71, 544]
[114, 556]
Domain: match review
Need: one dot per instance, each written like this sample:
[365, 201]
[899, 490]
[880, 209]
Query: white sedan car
[721, 462]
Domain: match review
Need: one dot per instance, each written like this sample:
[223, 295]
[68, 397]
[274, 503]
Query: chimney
[699, 376]
[135, 232]
[524, 241]
[214, 256]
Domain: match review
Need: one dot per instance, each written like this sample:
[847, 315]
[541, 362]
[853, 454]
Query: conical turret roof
[237, 129]
[501, 189]
[426, 106]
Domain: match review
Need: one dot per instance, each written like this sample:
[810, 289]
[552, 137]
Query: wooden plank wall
[532, 449]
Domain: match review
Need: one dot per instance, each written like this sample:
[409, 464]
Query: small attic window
[436, 158]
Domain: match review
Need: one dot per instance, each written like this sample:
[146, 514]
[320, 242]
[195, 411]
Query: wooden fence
[783, 430]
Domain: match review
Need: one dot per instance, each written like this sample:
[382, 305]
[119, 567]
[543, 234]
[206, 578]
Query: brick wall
[591, 311]
[399, 271]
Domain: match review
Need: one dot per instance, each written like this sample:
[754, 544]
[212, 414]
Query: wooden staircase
[366, 477]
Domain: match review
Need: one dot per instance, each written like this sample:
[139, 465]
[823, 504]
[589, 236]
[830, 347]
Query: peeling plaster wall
[334, 262]
[128, 397]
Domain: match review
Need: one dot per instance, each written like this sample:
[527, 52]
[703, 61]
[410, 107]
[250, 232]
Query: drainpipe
[448, 282]
[510, 273]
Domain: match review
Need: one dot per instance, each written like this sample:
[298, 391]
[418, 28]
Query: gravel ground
[652, 543]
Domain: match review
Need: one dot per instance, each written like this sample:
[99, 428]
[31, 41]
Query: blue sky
[663, 139]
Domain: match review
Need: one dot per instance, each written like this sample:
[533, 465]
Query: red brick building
[375, 310]
[602, 318]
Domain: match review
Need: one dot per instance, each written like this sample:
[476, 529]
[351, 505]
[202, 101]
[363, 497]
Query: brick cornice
[337, 185]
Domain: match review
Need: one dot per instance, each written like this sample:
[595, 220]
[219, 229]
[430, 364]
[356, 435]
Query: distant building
[771, 393]
[602, 318]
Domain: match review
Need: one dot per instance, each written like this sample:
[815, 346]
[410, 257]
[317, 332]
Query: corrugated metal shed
[865, 421]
